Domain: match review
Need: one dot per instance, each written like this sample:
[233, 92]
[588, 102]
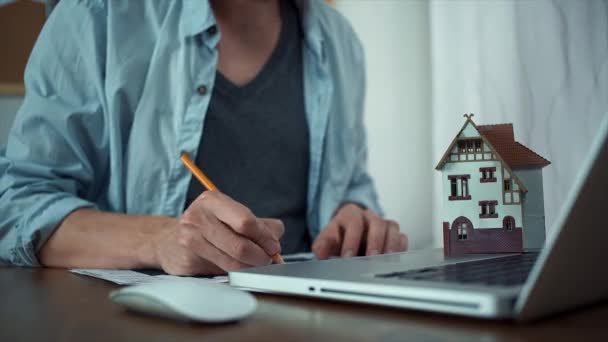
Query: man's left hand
[358, 231]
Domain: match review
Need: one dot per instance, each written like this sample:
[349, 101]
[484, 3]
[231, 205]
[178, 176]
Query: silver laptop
[571, 271]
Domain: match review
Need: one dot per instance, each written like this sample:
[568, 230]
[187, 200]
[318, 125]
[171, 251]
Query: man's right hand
[214, 235]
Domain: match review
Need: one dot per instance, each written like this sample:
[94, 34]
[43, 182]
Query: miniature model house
[492, 192]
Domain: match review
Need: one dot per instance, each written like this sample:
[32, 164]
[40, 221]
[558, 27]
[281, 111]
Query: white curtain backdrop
[542, 65]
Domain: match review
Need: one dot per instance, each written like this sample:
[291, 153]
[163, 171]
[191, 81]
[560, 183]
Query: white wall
[8, 109]
[395, 35]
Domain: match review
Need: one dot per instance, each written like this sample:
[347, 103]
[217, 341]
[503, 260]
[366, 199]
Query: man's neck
[247, 18]
[249, 30]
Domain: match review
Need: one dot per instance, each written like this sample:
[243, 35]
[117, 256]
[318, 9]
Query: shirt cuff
[36, 229]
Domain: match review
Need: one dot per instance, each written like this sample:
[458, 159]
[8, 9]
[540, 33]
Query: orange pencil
[208, 184]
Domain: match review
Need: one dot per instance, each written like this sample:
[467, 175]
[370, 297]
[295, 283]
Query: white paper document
[130, 277]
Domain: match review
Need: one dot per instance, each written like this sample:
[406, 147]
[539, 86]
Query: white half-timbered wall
[457, 164]
[478, 192]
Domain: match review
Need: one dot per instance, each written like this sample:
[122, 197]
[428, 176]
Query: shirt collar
[197, 17]
[311, 25]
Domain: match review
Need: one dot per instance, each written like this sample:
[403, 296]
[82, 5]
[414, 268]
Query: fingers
[353, 233]
[383, 236]
[376, 234]
[275, 227]
[191, 239]
[327, 243]
[240, 219]
[392, 243]
[233, 244]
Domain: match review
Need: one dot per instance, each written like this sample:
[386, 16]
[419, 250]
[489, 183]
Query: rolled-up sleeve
[361, 189]
[57, 147]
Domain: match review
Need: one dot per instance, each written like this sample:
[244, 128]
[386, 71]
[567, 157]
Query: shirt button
[202, 90]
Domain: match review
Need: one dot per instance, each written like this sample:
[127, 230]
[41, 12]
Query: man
[266, 94]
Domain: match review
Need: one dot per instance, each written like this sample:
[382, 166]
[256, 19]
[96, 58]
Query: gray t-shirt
[255, 144]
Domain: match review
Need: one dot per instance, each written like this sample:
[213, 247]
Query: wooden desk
[54, 305]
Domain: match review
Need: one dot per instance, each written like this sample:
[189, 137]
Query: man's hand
[355, 230]
[214, 235]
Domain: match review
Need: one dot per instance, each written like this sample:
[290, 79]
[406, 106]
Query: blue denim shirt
[114, 93]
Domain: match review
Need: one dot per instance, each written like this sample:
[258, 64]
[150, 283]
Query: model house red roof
[515, 154]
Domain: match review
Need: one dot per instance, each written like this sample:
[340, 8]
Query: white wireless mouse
[187, 300]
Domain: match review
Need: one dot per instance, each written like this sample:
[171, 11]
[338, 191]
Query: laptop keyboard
[504, 271]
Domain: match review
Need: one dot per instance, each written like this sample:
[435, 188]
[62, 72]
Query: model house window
[487, 209]
[507, 185]
[488, 174]
[462, 231]
[454, 187]
[462, 147]
[508, 223]
[471, 149]
[459, 187]
[465, 187]
[511, 188]
[470, 146]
